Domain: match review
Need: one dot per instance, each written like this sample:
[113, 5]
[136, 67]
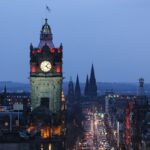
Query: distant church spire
[71, 88]
[77, 88]
[92, 86]
[86, 90]
[4, 99]
[5, 89]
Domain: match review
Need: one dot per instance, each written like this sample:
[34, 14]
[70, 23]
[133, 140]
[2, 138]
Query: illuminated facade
[46, 72]
[47, 98]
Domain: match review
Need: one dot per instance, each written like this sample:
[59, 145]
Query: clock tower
[46, 72]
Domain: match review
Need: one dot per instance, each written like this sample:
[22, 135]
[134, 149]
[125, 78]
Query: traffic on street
[95, 132]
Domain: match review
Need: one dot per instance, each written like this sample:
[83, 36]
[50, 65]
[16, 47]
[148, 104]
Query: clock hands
[46, 66]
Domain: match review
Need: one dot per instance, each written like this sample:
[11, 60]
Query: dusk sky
[114, 35]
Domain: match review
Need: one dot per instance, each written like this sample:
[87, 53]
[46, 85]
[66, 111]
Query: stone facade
[49, 88]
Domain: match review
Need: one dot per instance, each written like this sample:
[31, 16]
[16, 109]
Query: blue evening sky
[114, 35]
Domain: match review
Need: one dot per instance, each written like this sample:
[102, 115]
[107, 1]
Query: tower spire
[5, 89]
[92, 86]
[46, 21]
[46, 37]
[86, 90]
[71, 88]
[77, 88]
[92, 73]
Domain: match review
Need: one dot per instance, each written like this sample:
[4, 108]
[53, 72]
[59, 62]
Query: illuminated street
[95, 135]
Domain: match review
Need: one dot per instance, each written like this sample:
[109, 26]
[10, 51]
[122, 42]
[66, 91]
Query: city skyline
[114, 36]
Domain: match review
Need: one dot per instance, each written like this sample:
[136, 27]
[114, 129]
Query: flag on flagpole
[47, 8]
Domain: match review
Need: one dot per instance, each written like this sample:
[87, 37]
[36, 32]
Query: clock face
[45, 66]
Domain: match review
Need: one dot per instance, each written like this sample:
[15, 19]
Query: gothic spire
[86, 90]
[71, 88]
[77, 88]
[5, 89]
[92, 77]
[92, 86]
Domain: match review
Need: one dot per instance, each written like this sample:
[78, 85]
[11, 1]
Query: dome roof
[46, 28]
[46, 37]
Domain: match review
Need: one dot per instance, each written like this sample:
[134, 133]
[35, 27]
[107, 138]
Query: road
[95, 135]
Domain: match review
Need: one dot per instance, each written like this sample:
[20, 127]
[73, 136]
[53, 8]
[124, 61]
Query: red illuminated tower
[46, 77]
[46, 72]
